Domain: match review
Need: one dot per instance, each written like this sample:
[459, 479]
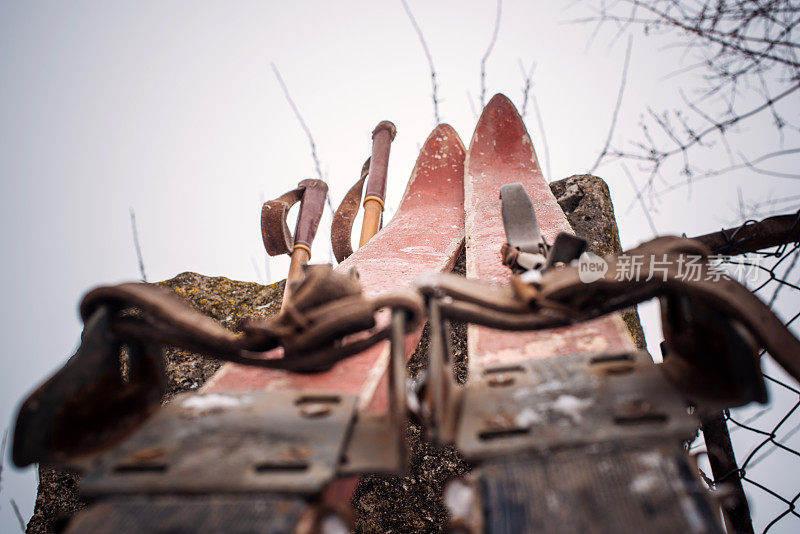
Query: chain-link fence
[765, 456]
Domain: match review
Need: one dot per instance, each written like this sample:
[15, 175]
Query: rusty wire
[778, 278]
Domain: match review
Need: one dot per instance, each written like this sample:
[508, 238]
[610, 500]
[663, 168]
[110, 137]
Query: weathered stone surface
[382, 504]
[586, 201]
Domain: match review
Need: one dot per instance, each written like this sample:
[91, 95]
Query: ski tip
[500, 101]
[444, 132]
[500, 127]
[500, 110]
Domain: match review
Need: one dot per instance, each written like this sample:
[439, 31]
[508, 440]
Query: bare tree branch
[645, 210]
[18, 514]
[257, 270]
[527, 77]
[725, 170]
[489, 51]
[3, 456]
[544, 137]
[622, 83]
[472, 105]
[434, 94]
[746, 54]
[137, 247]
[305, 129]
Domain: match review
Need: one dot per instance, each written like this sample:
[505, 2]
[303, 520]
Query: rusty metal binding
[93, 399]
[561, 297]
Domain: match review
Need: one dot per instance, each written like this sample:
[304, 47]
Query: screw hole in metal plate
[278, 467]
[505, 369]
[500, 433]
[140, 468]
[618, 370]
[318, 399]
[611, 358]
[652, 418]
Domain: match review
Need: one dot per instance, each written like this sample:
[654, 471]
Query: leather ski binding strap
[270, 441]
[564, 296]
[274, 230]
[526, 248]
[327, 320]
[343, 219]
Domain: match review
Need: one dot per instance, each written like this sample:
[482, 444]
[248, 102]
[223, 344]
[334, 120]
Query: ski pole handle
[382, 137]
[278, 240]
[311, 208]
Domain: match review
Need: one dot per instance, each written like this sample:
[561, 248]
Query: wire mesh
[765, 437]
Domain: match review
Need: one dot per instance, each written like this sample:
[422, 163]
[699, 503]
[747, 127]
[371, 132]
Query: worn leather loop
[345, 216]
[326, 308]
[274, 230]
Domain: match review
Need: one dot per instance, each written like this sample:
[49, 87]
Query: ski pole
[311, 194]
[382, 137]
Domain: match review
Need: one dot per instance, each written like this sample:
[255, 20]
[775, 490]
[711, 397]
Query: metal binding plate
[595, 490]
[553, 403]
[163, 514]
[280, 441]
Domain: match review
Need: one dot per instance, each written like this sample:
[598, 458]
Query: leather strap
[561, 298]
[325, 308]
[274, 230]
[342, 225]
[519, 220]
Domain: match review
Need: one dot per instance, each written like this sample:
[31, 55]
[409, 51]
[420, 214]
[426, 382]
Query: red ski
[425, 234]
[256, 446]
[502, 152]
[539, 415]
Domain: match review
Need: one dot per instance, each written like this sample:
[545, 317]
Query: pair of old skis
[313, 449]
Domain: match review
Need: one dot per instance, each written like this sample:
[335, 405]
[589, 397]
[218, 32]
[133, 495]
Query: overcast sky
[171, 108]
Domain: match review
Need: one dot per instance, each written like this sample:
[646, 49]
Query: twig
[641, 200]
[435, 87]
[138, 248]
[257, 270]
[541, 131]
[305, 129]
[622, 83]
[18, 514]
[527, 77]
[472, 106]
[3, 456]
[489, 51]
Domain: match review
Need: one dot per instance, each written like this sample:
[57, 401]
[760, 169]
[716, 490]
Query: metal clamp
[567, 401]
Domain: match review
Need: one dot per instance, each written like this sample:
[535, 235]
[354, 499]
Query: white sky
[171, 108]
